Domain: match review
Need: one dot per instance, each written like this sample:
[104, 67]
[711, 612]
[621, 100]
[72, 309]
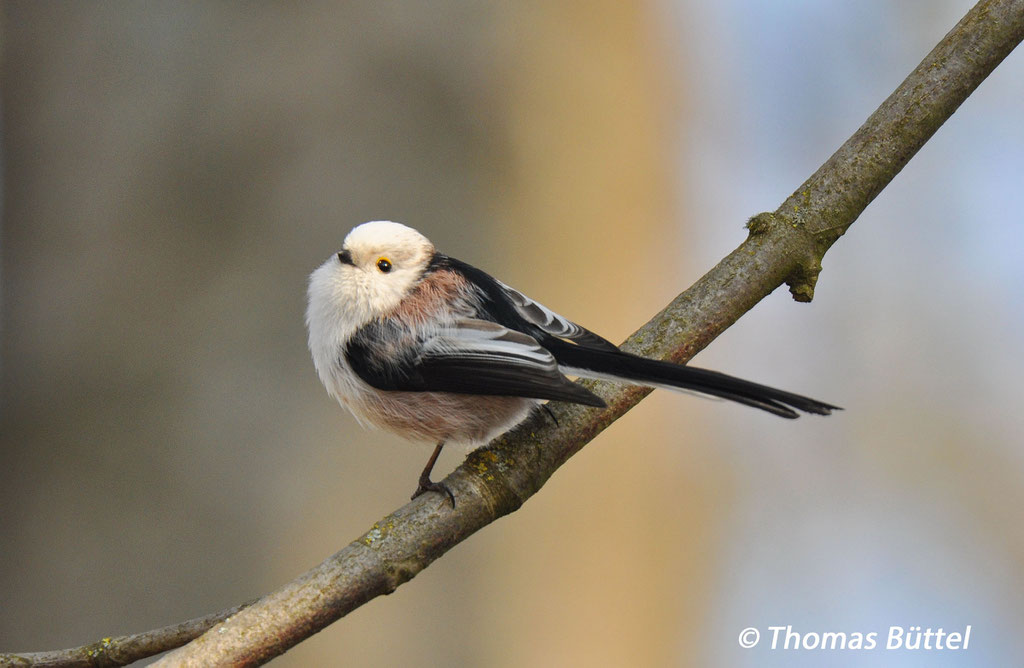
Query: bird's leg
[428, 485]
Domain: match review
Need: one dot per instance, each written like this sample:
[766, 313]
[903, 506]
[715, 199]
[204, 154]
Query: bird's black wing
[511, 308]
[469, 357]
[581, 352]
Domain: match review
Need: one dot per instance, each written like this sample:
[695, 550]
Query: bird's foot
[428, 485]
[550, 413]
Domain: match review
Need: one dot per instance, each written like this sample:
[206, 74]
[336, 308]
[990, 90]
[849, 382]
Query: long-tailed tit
[434, 349]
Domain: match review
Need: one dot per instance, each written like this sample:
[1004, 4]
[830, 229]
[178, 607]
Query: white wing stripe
[552, 323]
[481, 340]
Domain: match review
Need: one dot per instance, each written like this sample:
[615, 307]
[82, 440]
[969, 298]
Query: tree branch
[783, 247]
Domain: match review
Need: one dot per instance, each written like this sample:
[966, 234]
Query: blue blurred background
[173, 172]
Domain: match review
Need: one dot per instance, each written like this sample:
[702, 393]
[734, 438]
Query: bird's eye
[384, 264]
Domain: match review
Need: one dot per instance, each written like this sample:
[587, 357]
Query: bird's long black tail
[613, 365]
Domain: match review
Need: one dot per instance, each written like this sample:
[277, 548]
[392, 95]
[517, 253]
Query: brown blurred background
[172, 173]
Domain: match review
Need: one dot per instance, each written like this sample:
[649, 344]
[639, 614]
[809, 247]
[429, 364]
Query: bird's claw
[428, 485]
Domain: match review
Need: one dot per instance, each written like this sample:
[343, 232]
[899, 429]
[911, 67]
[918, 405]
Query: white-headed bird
[436, 350]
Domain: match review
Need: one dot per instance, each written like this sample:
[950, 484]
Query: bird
[429, 347]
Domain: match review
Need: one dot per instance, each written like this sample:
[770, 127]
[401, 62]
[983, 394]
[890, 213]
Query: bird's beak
[346, 258]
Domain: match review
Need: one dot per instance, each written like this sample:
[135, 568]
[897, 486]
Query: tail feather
[621, 366]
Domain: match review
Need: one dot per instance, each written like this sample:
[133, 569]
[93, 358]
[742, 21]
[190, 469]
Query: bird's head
[378, 264]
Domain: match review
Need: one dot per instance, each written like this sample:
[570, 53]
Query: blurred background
[172, 172]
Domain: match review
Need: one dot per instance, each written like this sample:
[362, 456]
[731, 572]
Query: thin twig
[122, 650]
